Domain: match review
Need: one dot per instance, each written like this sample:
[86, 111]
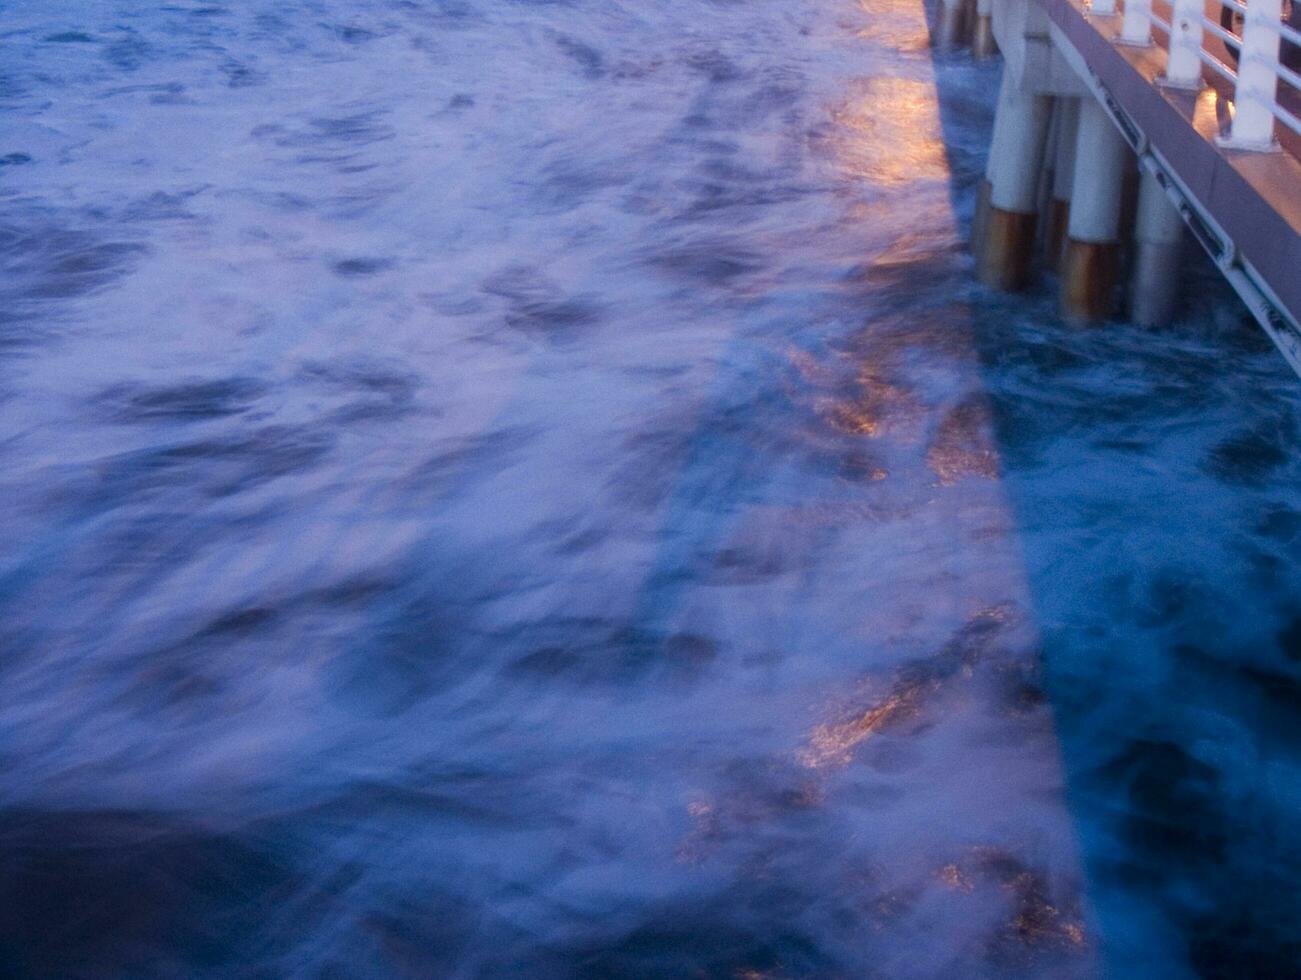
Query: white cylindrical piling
[980, 217]
[1058, 214]
[983, 44]
[1158, 241]
[1091, 259]
[1015, 156]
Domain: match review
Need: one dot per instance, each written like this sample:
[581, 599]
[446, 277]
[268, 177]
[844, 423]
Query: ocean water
[524, 488]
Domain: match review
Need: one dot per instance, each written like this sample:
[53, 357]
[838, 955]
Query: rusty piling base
[983, 44]
[1006, 248]
[1089, 272]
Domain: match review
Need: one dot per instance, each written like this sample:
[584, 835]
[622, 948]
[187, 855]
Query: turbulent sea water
[502, 488]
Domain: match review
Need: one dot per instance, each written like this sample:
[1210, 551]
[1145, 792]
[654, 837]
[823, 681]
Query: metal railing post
[1183, 68]
[1136, 27]
[1257, 86]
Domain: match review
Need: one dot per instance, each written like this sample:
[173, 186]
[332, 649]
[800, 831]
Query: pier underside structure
[1120, 133]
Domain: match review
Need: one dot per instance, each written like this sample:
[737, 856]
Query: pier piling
[951, 25]
[1158, 240]
[1016, 154]
[1063, 190]
[983, 44]
[1090, 262]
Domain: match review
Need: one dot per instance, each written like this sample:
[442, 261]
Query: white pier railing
[1260, 72]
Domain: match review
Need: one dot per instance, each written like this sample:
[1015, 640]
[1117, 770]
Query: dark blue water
[529, 489]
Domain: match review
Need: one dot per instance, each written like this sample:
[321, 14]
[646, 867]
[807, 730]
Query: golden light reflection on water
[896, 23]
[1034, 920]
[853, 418]
[961, 446]
[880, 404]
[906, 256]
[1039, 917]
[953, 877]
[1037, 922]
[892, 133]
[872, 391]
[834, 744]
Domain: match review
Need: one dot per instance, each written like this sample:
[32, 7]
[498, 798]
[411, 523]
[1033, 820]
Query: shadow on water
[1154, 478]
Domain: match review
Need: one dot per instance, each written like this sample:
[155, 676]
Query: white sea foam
[529, 488]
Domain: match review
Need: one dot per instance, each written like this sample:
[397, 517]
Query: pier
[1124, 131]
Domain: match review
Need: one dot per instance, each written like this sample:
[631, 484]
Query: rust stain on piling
[1003, 260]
[1089, 271]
